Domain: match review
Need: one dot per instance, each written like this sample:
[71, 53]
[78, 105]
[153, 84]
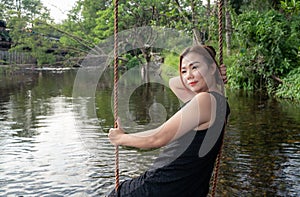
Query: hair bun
[210, 50]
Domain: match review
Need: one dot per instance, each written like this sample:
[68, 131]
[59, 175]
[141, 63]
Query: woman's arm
[179, 90]
[196, 112]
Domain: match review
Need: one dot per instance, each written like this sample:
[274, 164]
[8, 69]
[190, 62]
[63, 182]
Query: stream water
[51, 145]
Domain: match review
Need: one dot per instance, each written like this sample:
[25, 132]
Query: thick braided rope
[217, 167]
[116, 89]
[220, 16]
[216, 171]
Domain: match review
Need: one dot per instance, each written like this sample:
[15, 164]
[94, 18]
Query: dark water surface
[51, 145]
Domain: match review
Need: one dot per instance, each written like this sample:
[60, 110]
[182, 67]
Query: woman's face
[195, 72]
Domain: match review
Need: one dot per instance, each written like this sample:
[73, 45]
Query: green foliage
[36, 40]
[28, 31]
[43, 57]
[268, 45]
[104, 24]
[290, 88]
[172, 60]
[266, 42]
[240, 76]
[133, 61]
[291, 7]
[80, 28]
[170, 66]
[258, 5]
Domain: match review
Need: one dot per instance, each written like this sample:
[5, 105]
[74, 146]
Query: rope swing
[218, 160]
[220, 16]
[116, 5]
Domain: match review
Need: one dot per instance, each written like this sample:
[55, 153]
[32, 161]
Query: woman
[191, 138]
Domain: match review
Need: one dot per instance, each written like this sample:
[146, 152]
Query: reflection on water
[262, 148]
[51, 144]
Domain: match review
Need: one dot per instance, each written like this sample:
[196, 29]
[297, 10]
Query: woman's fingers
[112, 134]
[115, 134]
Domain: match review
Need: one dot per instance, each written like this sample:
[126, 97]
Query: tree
[79, 30]
[192, 12]
[27, 29]
[5, 7]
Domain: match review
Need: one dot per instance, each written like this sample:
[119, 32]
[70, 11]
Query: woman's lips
[193, 83]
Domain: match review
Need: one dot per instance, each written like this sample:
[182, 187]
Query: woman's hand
[115, 134]
[223, 73]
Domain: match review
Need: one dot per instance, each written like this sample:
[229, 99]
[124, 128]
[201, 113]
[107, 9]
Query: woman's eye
[183, 71]
[194, 67]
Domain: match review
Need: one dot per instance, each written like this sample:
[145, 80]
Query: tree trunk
[197, 35]
[228, 26]
[145, 72]
[208, 14]
[197, 38]
[146, 51]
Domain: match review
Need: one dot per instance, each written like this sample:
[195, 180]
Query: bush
[172, 59]
[170, 65]
[268, 49]
[290, 88]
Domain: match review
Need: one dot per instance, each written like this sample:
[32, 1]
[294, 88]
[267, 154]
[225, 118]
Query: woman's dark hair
[211, 50]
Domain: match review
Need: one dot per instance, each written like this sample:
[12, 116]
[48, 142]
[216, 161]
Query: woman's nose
[189, 74]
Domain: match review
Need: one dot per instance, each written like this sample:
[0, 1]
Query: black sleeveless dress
[179, 171]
